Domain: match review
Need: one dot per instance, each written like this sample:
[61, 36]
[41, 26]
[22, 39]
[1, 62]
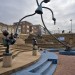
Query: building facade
[3, 27]
[9, 28]
[24, 28]
[38, 30]
[28, 28]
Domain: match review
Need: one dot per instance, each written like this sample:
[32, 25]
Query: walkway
[66, 65]
[23, 60]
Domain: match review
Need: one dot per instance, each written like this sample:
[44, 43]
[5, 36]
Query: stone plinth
[7, 60]
[34, 52]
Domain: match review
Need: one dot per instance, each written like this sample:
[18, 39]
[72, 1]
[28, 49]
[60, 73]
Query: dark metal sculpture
[8, 40]
[40, 12]
[37, 11]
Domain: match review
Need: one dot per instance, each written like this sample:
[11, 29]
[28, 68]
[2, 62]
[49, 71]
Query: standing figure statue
[8, 40]
[34, 42]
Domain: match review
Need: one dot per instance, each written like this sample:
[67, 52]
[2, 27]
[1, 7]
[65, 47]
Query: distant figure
[69, 31]
[63, 31]
[34, 42]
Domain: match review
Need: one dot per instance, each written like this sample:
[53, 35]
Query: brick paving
[66, 65]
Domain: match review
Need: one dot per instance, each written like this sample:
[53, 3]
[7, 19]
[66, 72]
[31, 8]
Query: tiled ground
[66, 65]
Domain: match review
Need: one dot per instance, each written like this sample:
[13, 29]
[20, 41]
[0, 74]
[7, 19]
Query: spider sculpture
[40, 12]
[9, 41]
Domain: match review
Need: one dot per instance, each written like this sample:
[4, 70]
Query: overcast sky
[64, 10]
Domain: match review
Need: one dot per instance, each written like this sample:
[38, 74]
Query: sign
[61, 38]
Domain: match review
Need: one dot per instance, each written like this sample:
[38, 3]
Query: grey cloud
[13, 10]
[64, 10]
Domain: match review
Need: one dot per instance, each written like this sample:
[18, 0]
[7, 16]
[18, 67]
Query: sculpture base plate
[7, 54]
[70, 52]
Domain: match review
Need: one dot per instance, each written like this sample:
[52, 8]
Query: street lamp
[71, 25]
[58, 30]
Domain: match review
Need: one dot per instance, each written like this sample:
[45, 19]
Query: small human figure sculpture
[8, 40]
[34, 42]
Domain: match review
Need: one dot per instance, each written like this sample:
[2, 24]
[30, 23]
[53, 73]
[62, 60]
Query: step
[25, 73]
[1, 45]
[44, 67]
[1, 54]
[20, 49]
[15, 53]
[2, 48]
[1, 58]
[34, 67]
[24, 48]
[52, 49]
[51, 70]
[1, 51]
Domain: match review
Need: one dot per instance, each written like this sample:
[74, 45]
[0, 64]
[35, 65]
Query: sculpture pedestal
[71, 52]
[34, 52]
[7, 60]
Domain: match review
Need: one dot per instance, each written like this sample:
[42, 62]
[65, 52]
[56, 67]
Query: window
[27, 26]
[27, 30]
[30, 29]
[23, 26]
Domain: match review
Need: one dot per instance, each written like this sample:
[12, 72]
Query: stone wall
[1, 36]
[68, 39]
[49, 41]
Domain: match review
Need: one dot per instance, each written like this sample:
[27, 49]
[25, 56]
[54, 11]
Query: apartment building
[28, 28]
[24, 27]
[9, 28]
[38, 29]
[3, 27]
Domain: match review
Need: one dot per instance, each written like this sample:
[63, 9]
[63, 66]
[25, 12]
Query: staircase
[46, 41]
[45, 66]
[15, 50]
[2, 50]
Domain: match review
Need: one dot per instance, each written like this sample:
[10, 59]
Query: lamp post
[58, 31]
[71, 25]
